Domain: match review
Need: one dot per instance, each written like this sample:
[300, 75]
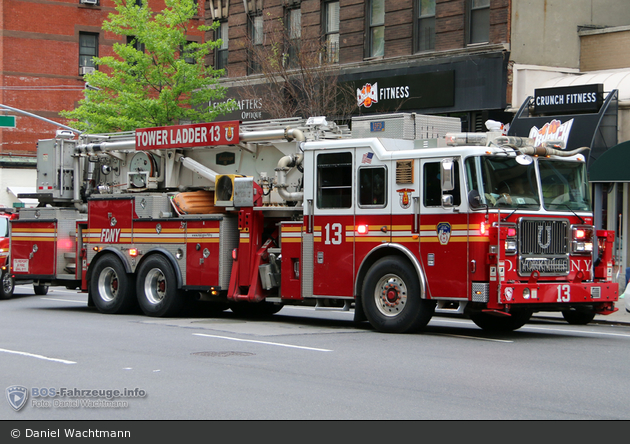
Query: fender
[88, 274]
[118, 253]
[381, 251]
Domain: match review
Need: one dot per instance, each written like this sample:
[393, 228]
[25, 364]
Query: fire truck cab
[251, 218]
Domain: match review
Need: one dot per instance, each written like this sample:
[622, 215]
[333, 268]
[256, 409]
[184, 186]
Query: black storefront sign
[405, 92]
[569, 99]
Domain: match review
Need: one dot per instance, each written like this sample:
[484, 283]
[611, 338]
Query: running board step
[346, 306]
[451, 307]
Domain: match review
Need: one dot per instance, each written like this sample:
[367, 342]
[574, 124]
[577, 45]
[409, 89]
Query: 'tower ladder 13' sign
[185, 136]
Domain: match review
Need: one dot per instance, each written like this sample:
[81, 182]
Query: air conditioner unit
[83, 70]
[89, 2]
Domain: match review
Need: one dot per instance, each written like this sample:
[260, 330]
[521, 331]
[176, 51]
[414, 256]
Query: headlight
[582, 239]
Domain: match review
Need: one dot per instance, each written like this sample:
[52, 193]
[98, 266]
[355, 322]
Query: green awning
[613, 165]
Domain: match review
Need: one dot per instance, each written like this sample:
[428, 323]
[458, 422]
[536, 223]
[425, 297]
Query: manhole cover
[222, 354]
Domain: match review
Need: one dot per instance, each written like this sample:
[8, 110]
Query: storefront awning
[612, 165]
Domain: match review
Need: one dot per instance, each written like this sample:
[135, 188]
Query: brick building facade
[461, 44]
[41, 56]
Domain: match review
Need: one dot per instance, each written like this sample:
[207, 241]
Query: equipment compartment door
[332, 225]
[443, 234]
[202, 253]
[33, 248]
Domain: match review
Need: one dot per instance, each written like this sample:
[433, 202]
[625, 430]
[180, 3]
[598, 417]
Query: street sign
[7, 121]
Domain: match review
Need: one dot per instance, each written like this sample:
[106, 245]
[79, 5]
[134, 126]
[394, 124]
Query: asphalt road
[301, 364]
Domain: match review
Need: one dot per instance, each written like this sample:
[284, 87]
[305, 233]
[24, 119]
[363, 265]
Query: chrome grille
[540, 237]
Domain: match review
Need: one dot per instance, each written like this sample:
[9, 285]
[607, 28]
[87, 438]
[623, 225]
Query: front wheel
[111, 287]
[157, 290]
[7, 285]
[391, 297]
[578, 316]
[501, 323]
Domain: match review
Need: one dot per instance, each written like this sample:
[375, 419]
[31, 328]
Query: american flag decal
[367, 158]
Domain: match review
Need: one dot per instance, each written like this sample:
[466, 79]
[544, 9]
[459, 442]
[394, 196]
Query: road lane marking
[64, 300]
[563, 330]
[262, 342]
[31, 355]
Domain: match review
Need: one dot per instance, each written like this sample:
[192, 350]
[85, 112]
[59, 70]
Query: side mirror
[474, 199]
[447, 174]
[447, 200]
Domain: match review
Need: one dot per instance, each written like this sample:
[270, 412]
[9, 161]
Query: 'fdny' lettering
[110, 234]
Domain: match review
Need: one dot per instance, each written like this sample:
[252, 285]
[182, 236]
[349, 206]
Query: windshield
[4, 227]
[564, 185]
[502, 182]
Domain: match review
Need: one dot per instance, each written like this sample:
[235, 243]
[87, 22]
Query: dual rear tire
[153, 288]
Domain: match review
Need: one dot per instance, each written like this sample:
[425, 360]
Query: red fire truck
[395, 219]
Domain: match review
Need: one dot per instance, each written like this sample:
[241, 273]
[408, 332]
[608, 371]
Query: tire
[391, 297]
[495, 323]
[578, 316]
[156, 288]
[111, 287]
[40, 290]
[7, 285]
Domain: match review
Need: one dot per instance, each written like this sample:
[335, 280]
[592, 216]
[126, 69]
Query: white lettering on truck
[110, 234]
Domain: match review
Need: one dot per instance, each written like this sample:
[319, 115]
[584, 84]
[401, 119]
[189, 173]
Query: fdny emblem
[405, 201]
[17, 396]
[444, 232]
[229, 133]
[367, 95]
[509, 291]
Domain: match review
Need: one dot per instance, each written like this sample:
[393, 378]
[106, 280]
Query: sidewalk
[621, 316]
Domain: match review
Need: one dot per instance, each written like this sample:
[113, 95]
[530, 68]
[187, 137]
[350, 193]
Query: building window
[131, 40]
[479, 21]
[331, 31]
[425, 26]
[222, 51]
[376, 36]
[187, 53]
[294, 34]
[255, 32]
[88, 49]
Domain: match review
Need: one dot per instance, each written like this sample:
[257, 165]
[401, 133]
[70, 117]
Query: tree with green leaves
[158, 78]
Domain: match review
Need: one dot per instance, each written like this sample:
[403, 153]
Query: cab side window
[334, 180]
[432, 188]
[372, 186]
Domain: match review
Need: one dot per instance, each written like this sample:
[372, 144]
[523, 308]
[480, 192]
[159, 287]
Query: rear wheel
[111, 287]
[7, 285]
[157, 290]
[40, 290]
[501, 323]
[391, 297]
[578, 316]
